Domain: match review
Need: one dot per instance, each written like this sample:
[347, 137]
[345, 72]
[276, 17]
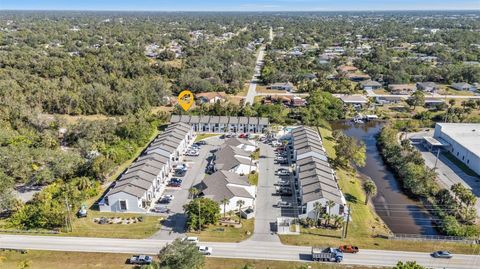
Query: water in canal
[398, 211]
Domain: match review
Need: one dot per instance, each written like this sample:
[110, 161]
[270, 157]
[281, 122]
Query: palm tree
[370, 189]
[330, 204]
[326, 217]
[240, 203]
[83, 183]
[224, 201]
[193, 192]
[337, 221]
[317, 208]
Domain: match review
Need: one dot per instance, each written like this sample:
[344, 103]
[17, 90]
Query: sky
[240, 5]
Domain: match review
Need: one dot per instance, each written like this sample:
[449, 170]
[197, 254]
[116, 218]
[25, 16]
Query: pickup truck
[348, 249]
[140, 259]
[326, 254]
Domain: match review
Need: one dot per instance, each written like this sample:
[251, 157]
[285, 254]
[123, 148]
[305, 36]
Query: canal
[401, 213]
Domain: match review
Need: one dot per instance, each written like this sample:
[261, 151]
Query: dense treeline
[456, 212]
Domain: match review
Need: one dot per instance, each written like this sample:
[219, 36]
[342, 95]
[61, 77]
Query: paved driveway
[174, 225]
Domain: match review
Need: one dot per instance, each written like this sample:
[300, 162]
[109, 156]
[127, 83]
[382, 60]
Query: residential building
[347, 68]
[287, 86]
[316, 179]
[224, 124]
[228, 185]
[427, 86]
[240, 143]
[462, 140]
[463, 86]
[144, 180]
[370, 84]
[357, 100]
[210, 97]
[402, 89]
[234, 159]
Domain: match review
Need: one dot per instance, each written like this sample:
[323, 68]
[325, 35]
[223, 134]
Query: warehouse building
[462, 140]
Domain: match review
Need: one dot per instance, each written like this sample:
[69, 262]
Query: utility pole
[199, 223]
[68, 221]
[348, 221]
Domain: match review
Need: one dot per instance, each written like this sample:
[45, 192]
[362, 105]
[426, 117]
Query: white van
[191, 239]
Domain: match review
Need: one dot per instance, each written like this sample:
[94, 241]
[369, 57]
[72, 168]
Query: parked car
[191, 239]
[205, 250]
[140, 259]
[442, 254]
[283, 172]
[82, 212]
[283, 183]
[174, 184]
[160, 209]
[176, 180]
[180, 172]
[283, 204]
[280, 159]
[348, 249]
[192, 153]
[165, 199]
[201, 142]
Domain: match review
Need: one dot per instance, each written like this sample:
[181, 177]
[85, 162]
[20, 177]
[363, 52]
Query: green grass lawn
[218, 233]
[87, 227]
[61, 260]
[203, 136]
[366, 230]
[223, 263]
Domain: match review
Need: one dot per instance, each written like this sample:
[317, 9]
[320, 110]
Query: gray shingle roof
[224, 184]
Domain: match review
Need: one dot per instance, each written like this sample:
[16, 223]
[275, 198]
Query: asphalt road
[252, 92]
[244, 250]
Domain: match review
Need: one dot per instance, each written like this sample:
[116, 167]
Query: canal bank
[402, 214]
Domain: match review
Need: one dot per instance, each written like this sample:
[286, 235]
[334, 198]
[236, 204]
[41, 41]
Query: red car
[348, 249]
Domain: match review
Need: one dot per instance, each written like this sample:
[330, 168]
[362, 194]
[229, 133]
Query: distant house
[227, 185]
[402, 89]
[297, 102]
[347, 68]
[287, 86]
[427, 86]
[356, 100]
[358, 77]
[370, 85]
[210, 97]
[463, 87]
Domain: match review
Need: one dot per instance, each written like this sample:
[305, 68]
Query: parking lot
[267, 209]
[174, 226]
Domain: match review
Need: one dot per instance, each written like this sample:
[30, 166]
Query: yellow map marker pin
[185, 99]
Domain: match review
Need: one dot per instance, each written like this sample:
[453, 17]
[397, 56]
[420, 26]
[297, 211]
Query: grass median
[220, 233]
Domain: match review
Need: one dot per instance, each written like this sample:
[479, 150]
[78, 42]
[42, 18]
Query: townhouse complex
[223, 124]
[144, 180]
[316, 179]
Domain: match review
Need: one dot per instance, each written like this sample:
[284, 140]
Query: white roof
[465, 134]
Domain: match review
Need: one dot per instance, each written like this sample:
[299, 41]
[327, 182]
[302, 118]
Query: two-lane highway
[244, 250]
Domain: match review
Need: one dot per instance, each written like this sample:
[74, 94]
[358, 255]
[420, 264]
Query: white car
[283, 172]
[192, 153]
[205, 250]
[191, 239]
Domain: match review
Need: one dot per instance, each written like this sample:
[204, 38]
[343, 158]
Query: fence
[419, 237]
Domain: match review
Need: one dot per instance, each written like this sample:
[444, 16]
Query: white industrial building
[462, 140]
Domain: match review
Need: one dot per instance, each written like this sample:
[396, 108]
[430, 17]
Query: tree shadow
[350, 198]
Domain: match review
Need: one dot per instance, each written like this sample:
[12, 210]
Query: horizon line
[259, 11]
